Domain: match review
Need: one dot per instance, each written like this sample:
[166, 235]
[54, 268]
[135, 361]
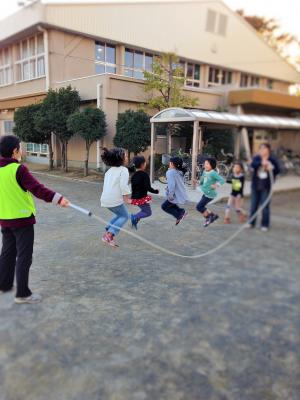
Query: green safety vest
[15, 203]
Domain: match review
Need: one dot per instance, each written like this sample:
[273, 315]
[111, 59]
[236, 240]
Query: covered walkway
[201, 119]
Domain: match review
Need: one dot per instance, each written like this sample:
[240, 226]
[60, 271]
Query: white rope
[196, 256]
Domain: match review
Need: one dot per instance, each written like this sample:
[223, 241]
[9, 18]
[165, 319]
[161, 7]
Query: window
[191, 73]
[216, 23]
[8, 127]
[219, 76]
[136, 62]
[222, 24]
[37, 150]
[254, 81]
[270, 84]
[211, 20]
[30, 57]
[105, 58]
[5, 67]
[244, 80]
[249, 80]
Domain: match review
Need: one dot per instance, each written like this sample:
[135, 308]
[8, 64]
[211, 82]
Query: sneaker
[212, 218]
[264, 229]
[134, 222]
[184, 215]
[249, 226]
[33, 299]
[227, 221]
[108, 239]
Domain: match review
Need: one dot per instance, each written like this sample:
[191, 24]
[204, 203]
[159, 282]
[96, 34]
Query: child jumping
[235, 200]
[115, 192]
[176, 193]
[209, 182]
[140, 186]
[17, 218]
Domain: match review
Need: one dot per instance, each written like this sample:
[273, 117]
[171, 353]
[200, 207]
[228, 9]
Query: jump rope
[175, 254]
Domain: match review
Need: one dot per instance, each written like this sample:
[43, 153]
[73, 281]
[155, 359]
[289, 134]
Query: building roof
[161, 26]
[225, 119]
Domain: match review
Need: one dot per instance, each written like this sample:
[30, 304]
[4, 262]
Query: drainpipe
[99, 142]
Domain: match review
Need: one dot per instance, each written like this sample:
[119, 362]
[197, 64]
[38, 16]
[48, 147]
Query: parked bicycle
[289, 161]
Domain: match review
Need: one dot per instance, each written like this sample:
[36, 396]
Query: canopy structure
[223, 118]
[202, 118]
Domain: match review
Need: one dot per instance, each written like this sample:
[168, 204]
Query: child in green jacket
[209, 182]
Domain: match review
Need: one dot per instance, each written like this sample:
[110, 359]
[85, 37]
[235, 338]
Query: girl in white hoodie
[116, 192]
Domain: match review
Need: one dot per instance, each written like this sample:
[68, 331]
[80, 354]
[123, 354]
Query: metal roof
[224, 118]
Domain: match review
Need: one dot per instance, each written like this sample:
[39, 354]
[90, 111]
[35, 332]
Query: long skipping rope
[172, 253]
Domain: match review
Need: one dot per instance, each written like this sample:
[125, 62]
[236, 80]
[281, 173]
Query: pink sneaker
[107, 238]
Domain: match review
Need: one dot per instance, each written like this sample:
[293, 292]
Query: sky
[287, 12]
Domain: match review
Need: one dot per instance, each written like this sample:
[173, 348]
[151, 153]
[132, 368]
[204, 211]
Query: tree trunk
[66, 157]
[62, 155]
[50, 154]
[86, 161]
[128, 155]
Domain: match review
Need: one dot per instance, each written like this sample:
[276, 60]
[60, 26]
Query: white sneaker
[33, 299]
[264, 229]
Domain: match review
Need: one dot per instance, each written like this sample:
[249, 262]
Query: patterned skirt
[141, 202]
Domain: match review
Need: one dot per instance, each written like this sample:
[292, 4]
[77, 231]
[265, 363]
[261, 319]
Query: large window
[30, 58]
[249, 80]
[37, 150]
[5, 67]
[8, 127]
[219, 76]
[105, 58]
[136, 62]
[191, 73]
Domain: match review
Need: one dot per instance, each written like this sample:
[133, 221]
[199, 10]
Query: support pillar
[152, 152]
[195, 152]
[237, 144]
[246, 142]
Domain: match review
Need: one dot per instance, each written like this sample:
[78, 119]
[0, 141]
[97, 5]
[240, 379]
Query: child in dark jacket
[140, 186]
[236, 197]
[17, 217]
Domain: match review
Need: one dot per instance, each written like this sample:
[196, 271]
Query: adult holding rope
[262, 164]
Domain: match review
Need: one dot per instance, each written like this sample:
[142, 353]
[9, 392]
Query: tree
[271, 32]
[24, 124]
[57, 106]
[90, 124]
[133, 131]
[164, 84]
[27, 129]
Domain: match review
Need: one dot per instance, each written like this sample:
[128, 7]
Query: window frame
[221, 77]
[30, 59]
[104, 63]
[132, 68]
[4, 67]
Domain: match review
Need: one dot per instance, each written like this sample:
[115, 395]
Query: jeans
[258, 197]
[201, 206]
[144, 213]
[119, 220]
[172, 209]
[16, 257]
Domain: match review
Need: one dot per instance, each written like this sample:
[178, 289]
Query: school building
[102, 50]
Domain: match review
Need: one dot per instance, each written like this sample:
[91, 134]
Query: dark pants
[258, 197]
[172, 209]
[144, 213]
[16, 256]
[201, 206]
